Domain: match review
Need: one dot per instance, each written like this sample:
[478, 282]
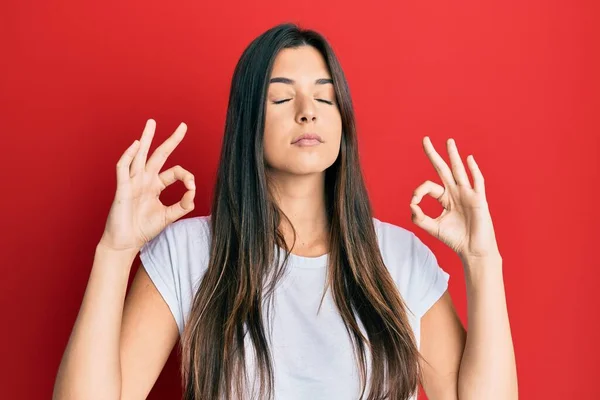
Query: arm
[116, 353]
[477, 365]
[488, 369]
[487, 366]
[442, 344]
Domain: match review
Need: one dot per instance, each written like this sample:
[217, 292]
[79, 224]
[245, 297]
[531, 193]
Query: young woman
[290, 288]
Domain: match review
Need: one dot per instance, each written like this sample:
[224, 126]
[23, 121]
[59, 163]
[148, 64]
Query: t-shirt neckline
[305, 262]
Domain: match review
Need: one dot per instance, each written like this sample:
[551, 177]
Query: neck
[302, 199]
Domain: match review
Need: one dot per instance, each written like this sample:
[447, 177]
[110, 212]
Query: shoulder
[175, 260]
[194, 228]
[180, 249]
[412, 265]
[183, 234]
[387, 231]
[396, 243]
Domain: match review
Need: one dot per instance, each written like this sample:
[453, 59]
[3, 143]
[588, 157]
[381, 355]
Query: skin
[298, 173]
[487, 367]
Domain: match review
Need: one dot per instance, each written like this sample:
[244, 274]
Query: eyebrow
[288, 81]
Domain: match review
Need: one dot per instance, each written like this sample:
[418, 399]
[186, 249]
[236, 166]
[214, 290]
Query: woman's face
[301, 100]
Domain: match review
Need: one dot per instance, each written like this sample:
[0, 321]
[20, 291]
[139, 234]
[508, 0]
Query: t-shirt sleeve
[427, 281]
[160, 260]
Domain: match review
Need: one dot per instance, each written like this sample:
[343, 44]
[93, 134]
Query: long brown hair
[244, 266]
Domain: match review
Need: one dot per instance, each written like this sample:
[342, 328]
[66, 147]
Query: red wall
[515, 83]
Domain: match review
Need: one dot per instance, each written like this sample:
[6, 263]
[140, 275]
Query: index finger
[162, 152]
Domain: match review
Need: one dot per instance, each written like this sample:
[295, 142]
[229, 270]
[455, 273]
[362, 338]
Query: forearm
[91, 362]
[488, 369]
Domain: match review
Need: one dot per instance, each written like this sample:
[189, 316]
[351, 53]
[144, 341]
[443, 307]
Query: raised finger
[478, 181]
[139, 162]
[458, 168]
[125, 161]
[438, 163]
[162, 152]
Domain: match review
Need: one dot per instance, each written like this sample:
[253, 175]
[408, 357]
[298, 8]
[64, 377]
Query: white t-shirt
[312, 353]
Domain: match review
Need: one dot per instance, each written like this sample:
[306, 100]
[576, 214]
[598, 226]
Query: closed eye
[321, 100]
[326, 101]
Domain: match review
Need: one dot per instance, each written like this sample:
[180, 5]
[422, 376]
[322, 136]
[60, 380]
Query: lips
[308, 136]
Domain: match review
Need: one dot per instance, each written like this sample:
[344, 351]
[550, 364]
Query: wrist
[475, 261]
[483, 270]
[103, 250]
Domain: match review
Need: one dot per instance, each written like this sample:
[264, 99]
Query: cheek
[274, 126]
[335, 126]
[274, 121]
[274, 137]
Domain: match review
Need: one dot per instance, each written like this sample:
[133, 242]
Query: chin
[303, 165]
[308, 171]
[307, 168]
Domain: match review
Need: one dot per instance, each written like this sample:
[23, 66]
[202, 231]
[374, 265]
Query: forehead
[304, 64]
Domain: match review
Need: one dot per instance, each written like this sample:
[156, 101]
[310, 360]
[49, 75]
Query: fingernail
[192, 185]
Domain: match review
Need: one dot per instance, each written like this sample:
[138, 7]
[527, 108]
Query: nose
[306, 110]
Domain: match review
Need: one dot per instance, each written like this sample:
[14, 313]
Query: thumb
[182, 207]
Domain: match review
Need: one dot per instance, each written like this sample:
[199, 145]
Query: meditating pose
[289, 288]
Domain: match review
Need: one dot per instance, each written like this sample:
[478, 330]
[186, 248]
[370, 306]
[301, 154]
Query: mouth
[307, 139]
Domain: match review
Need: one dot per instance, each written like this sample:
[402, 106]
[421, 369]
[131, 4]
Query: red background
[515, 83]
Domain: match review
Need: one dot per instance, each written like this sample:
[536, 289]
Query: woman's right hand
[137, 214]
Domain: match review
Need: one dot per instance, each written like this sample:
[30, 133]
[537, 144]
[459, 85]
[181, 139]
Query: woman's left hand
[465, 225]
